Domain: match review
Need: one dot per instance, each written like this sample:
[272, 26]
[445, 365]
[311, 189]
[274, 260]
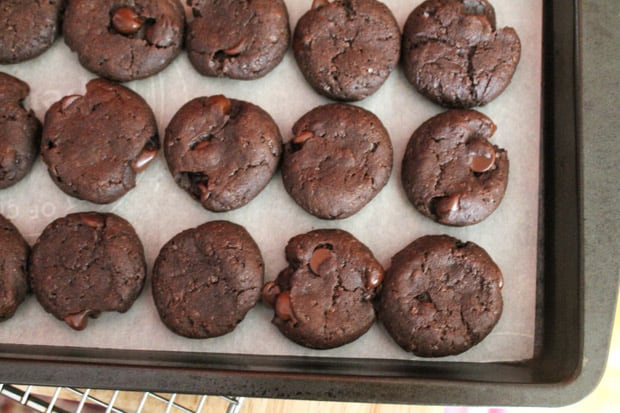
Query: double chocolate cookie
[94, 145]
[27, 28]
[87, 263]
[323, 299]
[20, 131]
[346, 49]
[451, 173]
[440, 297]
[339, 158]
[239, 39]
[206, 279]
[124, 40]
[14, 252]
[222, 151]
[454, 55]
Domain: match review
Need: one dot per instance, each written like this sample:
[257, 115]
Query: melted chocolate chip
[447, 204]
[222, 102]
[283, 308]
[270, 293]
[79, 321]
[481, 155]
[319, 256]
[126, 21]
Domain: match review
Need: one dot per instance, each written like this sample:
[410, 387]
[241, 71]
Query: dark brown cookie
[94, 145]
[87, 263]
[440, 297]
[346, 49]
[206, 279]
[20, 131]
[14, 251]
[124, 40]
[323, 299]
[239, 39]
[27, 28]
[451, 173]
[222, 151]
[339, 158]
[454, 55]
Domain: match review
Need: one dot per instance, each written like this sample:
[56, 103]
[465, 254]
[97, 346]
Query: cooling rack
[79, 400]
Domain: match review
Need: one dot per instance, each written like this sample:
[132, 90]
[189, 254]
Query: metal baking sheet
[542, 379]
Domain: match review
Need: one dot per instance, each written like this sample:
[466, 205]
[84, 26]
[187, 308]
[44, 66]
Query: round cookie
[124, 40]
[454, 55]
[14, 251]
[206, 279]
[339, 158]
[222, 151]
[94, 145]
[239, 39]
[87, 263]
[323, 299]
[451, 173]
[20, 131]
[27, 28]
[440, 297]
[346, 49]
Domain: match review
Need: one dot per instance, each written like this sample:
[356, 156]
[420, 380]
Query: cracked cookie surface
[450, 172]
[338, 160]
[86, 263]
[13, 268]
[124, 40]
[323, 299]
[222, 151]
[27, 28]
[206, 279]
[95, 145]
[454, 55]
[440, 296]
[239, 39]
[347, 49]
[20, 131]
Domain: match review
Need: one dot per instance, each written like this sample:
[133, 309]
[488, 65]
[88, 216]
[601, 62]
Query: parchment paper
[158, 209]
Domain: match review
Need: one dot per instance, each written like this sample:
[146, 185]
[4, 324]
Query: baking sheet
[158, 209]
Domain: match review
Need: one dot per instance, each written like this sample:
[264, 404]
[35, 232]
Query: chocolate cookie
[14, 252]
[239, 39]
[451, 173]
[222, 151]
[454, 55]
[339, 158]
[346, 49]
[20, 131]
[94, 145]
[440, 297]
[206, 279]
[27, 28]
[87, 263]
[124, 40]
[323, 299]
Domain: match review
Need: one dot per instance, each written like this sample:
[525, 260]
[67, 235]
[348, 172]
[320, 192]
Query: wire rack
[70, 399]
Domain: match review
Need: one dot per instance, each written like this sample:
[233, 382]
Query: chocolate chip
[374, 279]
[126, 21]
[447, 204]
[220, 101]
[319, 256]
[283, 308]
[237, 49]
[270, 293]
[302, 137]
[481, 155]
[92, 220]
[79, 321]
